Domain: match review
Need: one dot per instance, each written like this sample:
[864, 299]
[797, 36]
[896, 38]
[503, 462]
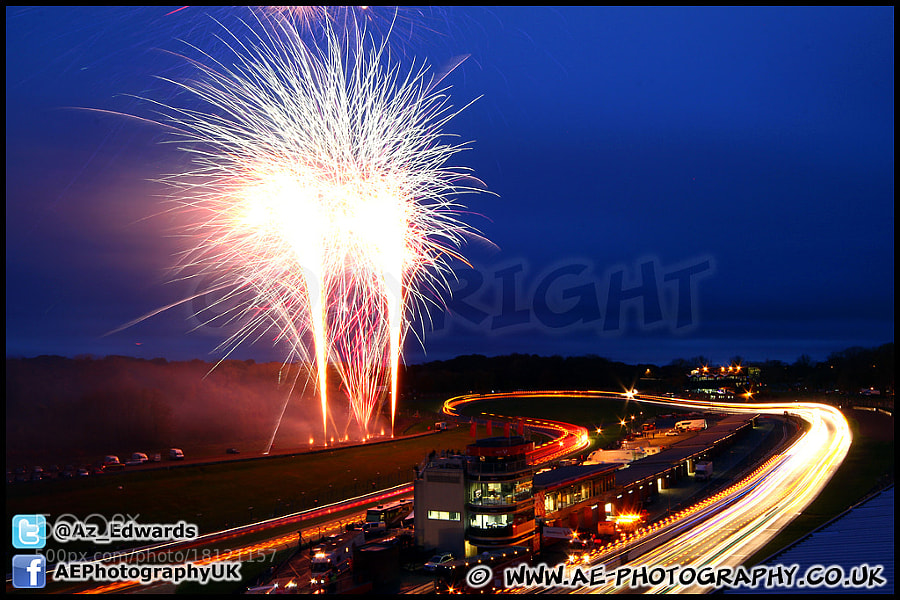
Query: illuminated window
[443, 515]
[491, 521]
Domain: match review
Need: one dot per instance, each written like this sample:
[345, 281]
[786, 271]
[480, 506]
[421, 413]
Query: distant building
[723, 382]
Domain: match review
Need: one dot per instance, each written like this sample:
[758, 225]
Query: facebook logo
[29, 531]
[29, 571]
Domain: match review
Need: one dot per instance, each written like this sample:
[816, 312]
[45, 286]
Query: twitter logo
[29, 531]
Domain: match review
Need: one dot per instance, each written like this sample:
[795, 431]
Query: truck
[558, 533]
[391, 515]
[607, 529]
[703, 469]
[691, 425]
[332, 558]
[625, 455]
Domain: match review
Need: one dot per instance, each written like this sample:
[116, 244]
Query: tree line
[94, 404]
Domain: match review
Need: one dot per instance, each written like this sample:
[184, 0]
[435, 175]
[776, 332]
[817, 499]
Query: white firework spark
[321, 185]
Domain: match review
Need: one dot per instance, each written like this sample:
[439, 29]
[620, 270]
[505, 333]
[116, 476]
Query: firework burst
[320, 185]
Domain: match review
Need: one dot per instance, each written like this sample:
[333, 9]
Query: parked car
[374, 529]
[112, 463]
[138, 458]
[232, 451]
[438, 562]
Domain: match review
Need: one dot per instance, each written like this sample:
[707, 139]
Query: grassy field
[215, 496]
[230, 493]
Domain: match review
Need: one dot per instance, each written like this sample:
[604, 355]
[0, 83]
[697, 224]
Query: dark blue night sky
[667, 182]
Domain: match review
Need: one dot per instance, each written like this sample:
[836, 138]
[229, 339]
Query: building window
[443, 515]
[490, 521]
[499, 493]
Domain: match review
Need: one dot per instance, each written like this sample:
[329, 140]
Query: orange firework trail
[320, 184]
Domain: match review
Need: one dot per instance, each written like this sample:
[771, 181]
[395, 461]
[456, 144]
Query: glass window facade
[498, 493]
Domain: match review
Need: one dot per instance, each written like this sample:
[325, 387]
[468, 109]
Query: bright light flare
[628, 518]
